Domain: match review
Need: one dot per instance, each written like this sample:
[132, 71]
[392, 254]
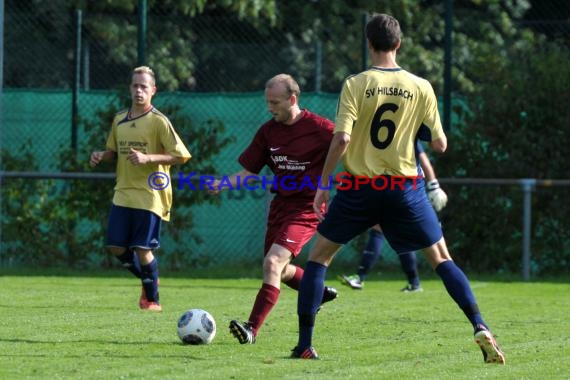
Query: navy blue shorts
[408, 220]
[131, 227]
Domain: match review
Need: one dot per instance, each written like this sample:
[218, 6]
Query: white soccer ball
[196, 326]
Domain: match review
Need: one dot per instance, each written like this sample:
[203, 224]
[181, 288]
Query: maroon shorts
[290, 224]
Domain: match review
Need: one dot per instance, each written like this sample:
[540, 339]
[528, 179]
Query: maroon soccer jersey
[294, 153]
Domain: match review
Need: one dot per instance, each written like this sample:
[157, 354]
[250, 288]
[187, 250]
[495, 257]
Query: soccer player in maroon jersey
[293, 144]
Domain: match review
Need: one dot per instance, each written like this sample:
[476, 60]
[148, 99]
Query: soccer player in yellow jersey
[381, 113]
[373, 250]
[145, 145]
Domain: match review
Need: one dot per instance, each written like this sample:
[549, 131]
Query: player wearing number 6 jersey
[379, 115]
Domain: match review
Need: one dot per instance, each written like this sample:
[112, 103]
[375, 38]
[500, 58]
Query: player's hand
[214, 188]
[321, 202]
[436, 195]
[96, 158]
[138, 158]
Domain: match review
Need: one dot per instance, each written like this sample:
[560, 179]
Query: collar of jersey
[385, 68]
[128, 118]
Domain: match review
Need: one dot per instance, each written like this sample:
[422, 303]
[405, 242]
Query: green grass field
[61, 327]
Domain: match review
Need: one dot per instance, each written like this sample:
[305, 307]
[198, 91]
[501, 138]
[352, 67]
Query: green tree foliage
[339, 27]
[39, 28]
[517, 129]
[190, 43]
[23, 210]
[172, 34]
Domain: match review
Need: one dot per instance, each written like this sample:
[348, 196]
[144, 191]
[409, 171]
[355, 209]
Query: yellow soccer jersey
[384, 110]
[150, 133]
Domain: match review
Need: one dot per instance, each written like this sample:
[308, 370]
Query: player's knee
[145, 255]
[437, 253]
[376, 228]
[272, 264]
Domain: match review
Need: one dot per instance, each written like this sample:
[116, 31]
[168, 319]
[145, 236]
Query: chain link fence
[65, 68]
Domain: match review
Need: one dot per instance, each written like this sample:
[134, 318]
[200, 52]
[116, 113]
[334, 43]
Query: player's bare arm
[139, 158]
[98, 156]
[427, 168]
[439, 145]
[337, 149]
[231, 180]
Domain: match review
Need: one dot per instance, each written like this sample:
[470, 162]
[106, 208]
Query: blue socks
[149, 280]
[409, 264]
[130, 261]
[458, 287]
[371, 253]
[309, 301]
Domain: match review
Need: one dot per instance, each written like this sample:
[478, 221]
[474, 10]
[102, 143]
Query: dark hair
[383, 32]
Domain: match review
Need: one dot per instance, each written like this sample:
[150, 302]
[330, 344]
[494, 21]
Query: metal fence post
[142, 32]
[1, 105]
[364, 43]
[76, 79]
[448, 60]
[318, 65]
[527, 185]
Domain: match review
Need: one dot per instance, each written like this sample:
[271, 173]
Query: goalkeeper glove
[436, 196]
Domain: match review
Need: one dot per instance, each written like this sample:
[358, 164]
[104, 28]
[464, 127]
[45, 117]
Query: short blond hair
[291, 85]
[145, 70]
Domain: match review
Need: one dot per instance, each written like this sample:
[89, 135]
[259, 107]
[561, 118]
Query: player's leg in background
[370, 256]
[371, 253]
[409, 264]
[292, 276]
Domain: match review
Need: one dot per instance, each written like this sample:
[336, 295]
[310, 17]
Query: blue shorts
[133, 228]
[406, 217]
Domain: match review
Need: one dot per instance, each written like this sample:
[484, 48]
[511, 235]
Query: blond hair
[144, 70]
